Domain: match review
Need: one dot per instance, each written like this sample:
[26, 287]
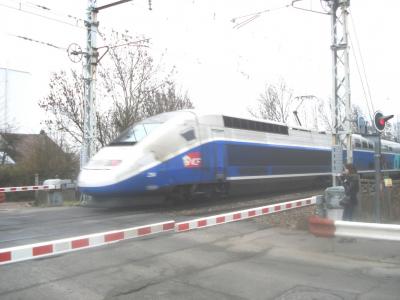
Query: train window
[244, 124]
[390, 149]
[370, 146]
[364, 144]
[189, 135]
[254, 125]
[357, 143]
[385, 148]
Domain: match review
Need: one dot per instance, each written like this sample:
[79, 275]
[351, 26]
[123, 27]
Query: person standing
[351, 184]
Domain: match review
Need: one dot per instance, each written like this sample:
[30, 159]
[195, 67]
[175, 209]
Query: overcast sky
[221, 67]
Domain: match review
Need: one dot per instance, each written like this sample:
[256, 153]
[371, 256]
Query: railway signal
[380, 121]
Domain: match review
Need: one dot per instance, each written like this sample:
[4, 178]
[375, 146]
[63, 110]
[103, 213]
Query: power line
[362, 62]
[20, 9]
[137, 43]
[57, 13]
[362, 82]
[66, 15]
[29, 39]
[252, 16]
[308, 10]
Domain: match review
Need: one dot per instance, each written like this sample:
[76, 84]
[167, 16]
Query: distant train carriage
[184, 153]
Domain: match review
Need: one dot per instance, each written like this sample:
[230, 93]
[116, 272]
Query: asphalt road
[242, 260]
[34, 225]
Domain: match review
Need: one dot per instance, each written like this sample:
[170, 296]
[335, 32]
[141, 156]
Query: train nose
[102, 164]
[95, 178]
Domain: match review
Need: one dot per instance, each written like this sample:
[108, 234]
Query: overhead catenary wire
[77, 22]
[137, 43]
[20, 9]
[308, 10]
[46, 8]
[362, 61]
[362, 82]
[252, 16]
[29, 39]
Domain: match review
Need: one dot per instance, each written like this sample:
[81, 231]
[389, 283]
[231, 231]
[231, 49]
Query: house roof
[18, 146]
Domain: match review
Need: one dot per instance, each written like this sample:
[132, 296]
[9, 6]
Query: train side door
[219, 154]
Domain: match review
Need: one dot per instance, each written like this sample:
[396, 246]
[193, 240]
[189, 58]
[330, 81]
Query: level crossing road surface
[28, 226]
[241, 260]
[23, 226]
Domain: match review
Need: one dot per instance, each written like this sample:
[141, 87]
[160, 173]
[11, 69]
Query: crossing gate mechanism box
[56, 197]
[333, 196]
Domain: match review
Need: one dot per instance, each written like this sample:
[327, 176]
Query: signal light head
[380, 121]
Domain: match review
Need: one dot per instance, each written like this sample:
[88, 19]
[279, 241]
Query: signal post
[380, 123]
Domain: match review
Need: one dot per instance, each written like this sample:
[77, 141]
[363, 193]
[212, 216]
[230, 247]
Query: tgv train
[186, 152]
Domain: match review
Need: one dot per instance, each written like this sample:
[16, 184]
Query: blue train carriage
[364, 149]
[263, 156]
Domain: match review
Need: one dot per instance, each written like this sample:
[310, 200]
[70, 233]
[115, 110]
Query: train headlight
[113, 162]
[103, 163]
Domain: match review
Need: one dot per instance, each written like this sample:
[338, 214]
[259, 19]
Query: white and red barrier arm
[242, 214]
[323, 227]
[29, 188]
[49, 248]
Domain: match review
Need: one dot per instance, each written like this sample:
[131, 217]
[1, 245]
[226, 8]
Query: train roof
[207, 113]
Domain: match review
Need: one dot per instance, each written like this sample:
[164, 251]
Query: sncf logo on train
[192, 160]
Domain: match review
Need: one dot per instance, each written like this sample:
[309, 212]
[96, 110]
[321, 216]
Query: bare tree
[165, 99]
[130, 87]
[274, 103]
[64, 104]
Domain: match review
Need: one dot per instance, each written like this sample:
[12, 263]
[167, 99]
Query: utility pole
[340, 76]
[377, 160]
[91, 61]
[91, 56]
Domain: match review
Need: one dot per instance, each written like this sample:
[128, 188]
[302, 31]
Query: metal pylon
[341, 103]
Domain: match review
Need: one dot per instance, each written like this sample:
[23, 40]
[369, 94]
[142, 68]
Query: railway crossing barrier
[52, 191]
[29, 188]
[242, 215]
[49, 248]
[323, 227]
[39, 250]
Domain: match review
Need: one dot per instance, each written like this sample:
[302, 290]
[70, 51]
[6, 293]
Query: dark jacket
[351, 185]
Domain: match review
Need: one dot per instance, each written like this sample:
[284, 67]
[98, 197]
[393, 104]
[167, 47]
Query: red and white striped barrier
[39, 250]
[29, 188]
[323, 227]
[242, 214]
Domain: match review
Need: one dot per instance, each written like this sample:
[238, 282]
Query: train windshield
[139, 131]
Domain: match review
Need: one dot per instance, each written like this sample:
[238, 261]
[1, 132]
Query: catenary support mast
[91, 56]
[91, 61]
[340, 76]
